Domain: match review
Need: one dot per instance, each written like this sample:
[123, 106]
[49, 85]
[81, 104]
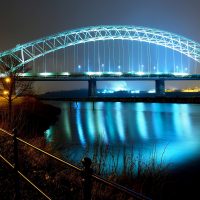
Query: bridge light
[94, 73]
[98, 73]
[139, 73]
[90, 73]
[65, 73]
[180, 74]
[118, 73]
[45, 74]
[25, 74]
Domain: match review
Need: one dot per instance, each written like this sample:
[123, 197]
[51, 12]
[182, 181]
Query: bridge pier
[92, 87]
[160, 87]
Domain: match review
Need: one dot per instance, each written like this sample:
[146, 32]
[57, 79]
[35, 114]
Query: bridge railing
[86, 172]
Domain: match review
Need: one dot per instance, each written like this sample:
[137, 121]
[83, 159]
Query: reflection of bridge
[37, 50]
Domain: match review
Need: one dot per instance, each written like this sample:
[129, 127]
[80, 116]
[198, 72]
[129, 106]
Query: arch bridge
[26, 53]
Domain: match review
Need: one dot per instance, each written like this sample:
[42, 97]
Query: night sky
[22, 21]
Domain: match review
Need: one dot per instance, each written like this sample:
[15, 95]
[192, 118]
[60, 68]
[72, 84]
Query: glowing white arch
[30, 51]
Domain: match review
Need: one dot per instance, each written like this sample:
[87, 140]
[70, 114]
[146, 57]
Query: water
[166, 132]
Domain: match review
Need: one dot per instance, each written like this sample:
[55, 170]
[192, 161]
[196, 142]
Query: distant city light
[152, 91]
[135, 91]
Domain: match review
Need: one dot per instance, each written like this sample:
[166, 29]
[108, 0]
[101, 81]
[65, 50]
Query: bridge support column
[92, 87]
[160, 87]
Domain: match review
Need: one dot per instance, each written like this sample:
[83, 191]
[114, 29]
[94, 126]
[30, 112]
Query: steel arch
[30, 51]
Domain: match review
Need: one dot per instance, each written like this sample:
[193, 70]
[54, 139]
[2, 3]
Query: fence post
[16, 165]
[87, 182]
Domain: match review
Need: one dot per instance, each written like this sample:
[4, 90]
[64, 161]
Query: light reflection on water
[171, 129]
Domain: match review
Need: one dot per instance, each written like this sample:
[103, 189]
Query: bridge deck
[118, 76]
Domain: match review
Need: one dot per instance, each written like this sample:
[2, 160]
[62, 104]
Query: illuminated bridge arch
[30, 51]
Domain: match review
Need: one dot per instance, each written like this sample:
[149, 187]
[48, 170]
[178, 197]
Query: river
[166, 133]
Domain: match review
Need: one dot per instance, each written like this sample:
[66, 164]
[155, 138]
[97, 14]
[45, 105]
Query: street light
[5, 92]
[7, 79]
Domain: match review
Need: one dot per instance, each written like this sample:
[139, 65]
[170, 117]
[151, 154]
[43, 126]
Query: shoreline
[30, 116]
[192, 100]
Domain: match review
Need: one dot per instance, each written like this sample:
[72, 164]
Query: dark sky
[25, 20]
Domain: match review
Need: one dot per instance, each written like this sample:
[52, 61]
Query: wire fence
[86, 173]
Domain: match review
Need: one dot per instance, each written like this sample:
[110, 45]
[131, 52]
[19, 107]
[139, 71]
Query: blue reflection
[119, 120]
[131, 123]
[141, 121]
[177, 120]
[79, 126]
[180, 151]
[110, 121]
[67, 122]
[90, 122]
[49, 134]
[185, 120]
[157, 120]
[101, 124]
[176, 128]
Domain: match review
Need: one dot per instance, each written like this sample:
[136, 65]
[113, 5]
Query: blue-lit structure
[39, 49]
[30, 51]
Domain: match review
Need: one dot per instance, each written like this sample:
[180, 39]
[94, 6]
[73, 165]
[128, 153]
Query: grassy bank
[61, 182]
[30, 116]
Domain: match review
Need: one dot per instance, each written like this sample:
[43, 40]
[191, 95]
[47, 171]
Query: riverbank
[61, 182]
[30, 116]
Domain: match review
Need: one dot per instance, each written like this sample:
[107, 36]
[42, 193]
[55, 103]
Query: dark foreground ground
[183, 182]
[60, 183]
